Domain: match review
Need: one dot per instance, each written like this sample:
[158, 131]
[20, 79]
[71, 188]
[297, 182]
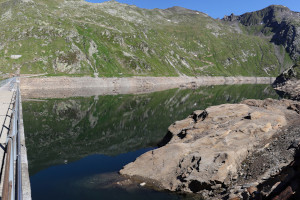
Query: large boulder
[288, 83]
[206, 151]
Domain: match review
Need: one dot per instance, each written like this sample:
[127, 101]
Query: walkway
[14, 176]
[6, 96]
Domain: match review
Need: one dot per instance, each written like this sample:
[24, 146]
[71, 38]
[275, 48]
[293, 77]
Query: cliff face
[278, 23]
[113, 39]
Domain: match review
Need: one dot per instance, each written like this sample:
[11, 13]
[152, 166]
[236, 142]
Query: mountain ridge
[276, 21]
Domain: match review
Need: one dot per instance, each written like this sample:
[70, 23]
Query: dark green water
[76, 146]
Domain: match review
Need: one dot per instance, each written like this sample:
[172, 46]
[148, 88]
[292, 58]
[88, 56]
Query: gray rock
[287, 84]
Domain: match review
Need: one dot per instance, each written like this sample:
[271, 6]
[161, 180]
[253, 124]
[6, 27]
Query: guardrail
[12, 182]
[3, 82]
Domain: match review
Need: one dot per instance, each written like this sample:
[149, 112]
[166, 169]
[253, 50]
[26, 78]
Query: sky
[214, 8]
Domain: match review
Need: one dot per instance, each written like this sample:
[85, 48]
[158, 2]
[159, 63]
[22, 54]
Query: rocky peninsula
[229, 151]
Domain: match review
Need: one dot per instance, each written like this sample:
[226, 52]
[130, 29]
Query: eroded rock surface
[288, 83]
[204, 153]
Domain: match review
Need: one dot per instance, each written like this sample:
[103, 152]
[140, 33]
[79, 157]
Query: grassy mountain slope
[60, 37]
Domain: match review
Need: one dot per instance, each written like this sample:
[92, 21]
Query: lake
[76, 146]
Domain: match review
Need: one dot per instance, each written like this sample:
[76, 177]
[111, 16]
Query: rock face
[277, 22]
[204, 152]
[288, 83]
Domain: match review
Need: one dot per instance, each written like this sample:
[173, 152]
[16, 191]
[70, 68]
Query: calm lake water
[76, 146]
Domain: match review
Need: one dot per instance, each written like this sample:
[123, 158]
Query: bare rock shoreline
[47, 87]
[230, 151]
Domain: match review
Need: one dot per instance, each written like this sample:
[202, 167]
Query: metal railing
[3, 82]
[12, 182]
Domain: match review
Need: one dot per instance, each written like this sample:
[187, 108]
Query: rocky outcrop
[231, 17]
[207, 152]
[287, 84]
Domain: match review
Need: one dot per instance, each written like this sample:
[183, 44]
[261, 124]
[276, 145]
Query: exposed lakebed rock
[288, 83]
[219, 151]
[62, 87]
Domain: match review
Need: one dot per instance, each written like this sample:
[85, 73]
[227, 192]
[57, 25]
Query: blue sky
[214, 8]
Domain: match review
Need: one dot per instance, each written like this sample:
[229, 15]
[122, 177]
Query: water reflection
[103, 129]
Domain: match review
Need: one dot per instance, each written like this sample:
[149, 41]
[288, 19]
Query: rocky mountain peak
[231, 17]
[277, 22]
[278, 8]
[266, 15]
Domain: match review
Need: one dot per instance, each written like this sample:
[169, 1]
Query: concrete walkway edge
[24, 161]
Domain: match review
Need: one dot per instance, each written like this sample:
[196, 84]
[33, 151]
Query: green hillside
[77, 38]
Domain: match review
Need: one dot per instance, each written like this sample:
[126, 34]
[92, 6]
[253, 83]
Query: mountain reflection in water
[71, 142]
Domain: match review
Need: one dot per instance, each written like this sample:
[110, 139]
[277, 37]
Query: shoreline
[63, 87]
[226, 151]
